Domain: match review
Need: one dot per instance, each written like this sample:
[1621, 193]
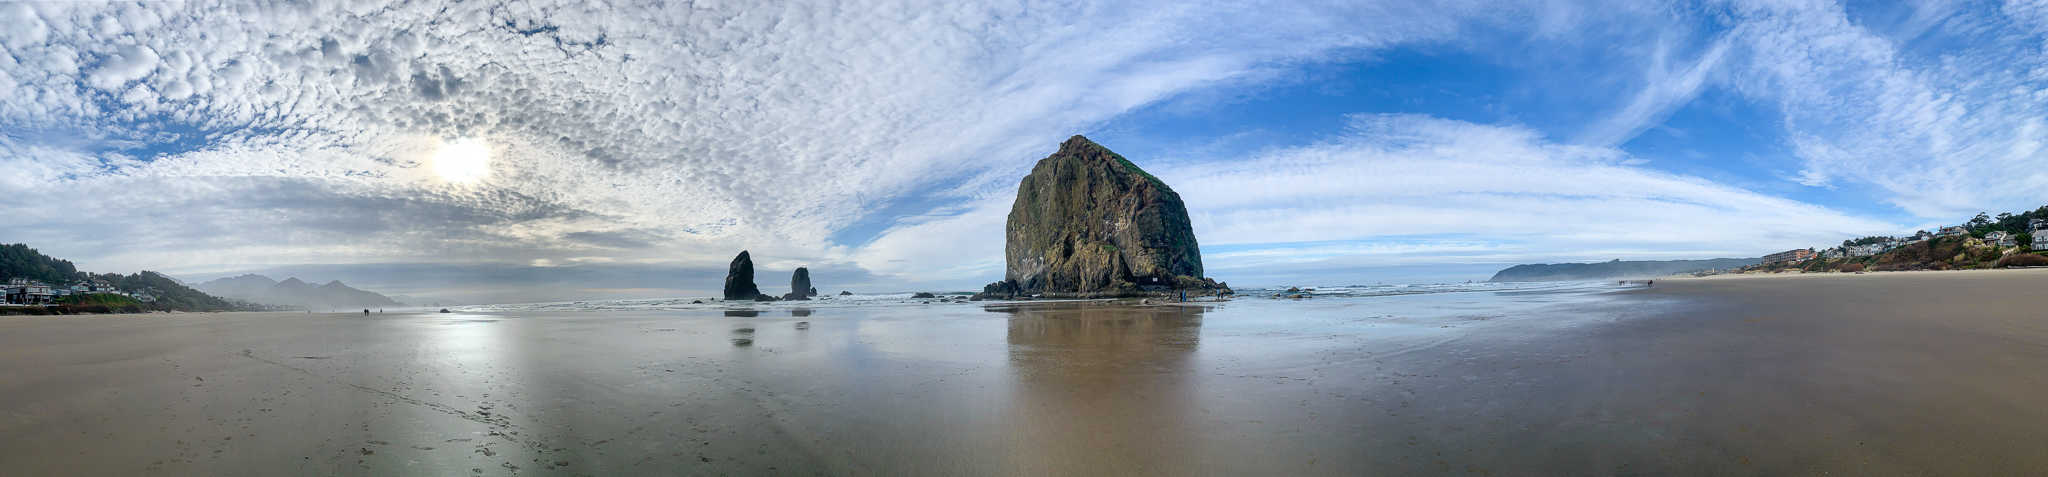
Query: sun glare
[463, 160]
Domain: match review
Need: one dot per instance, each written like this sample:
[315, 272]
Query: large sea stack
[1088, 223]
[739, 279]
[800, 285]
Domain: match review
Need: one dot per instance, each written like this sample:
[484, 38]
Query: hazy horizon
[552, 151]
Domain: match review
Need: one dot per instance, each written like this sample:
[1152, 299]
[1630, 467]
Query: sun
[463, 160]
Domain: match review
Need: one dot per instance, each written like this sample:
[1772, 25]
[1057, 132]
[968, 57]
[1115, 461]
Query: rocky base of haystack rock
[1192, 287]
[1088, 223]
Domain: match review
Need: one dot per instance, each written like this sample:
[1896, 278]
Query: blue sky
[879, 143]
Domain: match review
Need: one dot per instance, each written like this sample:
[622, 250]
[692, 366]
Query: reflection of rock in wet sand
[1114, 335]
[1103, 389]
[743, 337]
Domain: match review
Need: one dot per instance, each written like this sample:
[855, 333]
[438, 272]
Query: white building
[2001, 239]
[29, 293]
[1868, 249]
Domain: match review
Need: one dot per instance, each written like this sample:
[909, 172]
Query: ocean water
[1323, 292]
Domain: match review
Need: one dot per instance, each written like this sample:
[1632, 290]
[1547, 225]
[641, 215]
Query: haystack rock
[1088, 223]
[739, 279]
[800, 285]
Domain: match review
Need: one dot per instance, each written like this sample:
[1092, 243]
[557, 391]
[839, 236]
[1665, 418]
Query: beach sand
[1878, 374]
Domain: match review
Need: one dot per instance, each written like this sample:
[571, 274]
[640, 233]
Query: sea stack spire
[800, 285]
[739, 279]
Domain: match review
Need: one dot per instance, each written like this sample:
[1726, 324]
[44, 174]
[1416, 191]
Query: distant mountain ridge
[1616, 269]
[294, 292]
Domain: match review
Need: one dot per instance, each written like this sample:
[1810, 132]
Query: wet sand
[1879, 374]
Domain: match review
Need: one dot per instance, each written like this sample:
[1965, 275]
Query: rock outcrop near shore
[1088, 223]
[739, 279]
[800, 285]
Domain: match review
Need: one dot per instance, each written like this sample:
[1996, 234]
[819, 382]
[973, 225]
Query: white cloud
[129, 63]
[1668, 87]
[1394, 176]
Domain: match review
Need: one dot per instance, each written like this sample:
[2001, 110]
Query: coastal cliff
[1088, 223]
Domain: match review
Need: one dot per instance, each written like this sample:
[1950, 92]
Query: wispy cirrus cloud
[1944, 133]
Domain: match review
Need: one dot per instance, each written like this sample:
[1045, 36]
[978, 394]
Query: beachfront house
[21, 292]
[1953, 230]
[1999, 238]
[1790, 256]
[2040, 236]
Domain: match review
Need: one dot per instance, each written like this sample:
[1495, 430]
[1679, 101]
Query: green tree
[19, 261]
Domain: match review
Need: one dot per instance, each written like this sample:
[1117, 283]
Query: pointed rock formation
[1088, 223]
[739, 279]
[800, 285]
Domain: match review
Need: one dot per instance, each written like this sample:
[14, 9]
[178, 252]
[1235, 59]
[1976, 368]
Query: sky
[550, 150]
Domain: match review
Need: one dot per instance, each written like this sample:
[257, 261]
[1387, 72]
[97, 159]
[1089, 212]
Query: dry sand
[1879, 374]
